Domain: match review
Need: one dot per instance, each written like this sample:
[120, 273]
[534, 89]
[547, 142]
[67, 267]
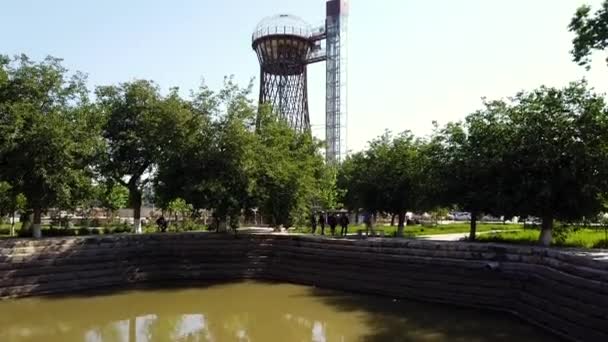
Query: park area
[570, 236]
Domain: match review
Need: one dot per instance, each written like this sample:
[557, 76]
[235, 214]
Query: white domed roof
[282, 24]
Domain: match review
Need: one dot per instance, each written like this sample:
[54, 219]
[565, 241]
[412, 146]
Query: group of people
[332, 220]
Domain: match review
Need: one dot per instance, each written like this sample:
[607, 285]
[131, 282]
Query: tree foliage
[49, 133]
[139, 125]
[558, 159]
[287, 166]
[388, 177]
[469, 162]
[542, 153]
[230, 166]
[590, 33]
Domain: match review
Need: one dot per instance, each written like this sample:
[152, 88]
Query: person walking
[369, 225]
[322, 222]
[313, 223]
[332, 220]
[344, 221]
[162, 224]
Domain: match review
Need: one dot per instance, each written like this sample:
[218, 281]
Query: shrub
[85, 223]
[84, 231]
[601, 244]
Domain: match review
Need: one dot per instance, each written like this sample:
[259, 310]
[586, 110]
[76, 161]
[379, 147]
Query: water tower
[285, 46]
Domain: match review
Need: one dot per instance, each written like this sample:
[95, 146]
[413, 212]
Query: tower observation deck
[285, 45]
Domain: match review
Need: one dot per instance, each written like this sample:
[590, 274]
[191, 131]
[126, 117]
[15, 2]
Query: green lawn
[5, 228]
[581, 238]
[425, 230]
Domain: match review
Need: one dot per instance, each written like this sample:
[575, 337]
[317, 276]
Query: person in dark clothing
[322, 223]
[313, 223]
[162, 224]
[332, 221]
[344, 221]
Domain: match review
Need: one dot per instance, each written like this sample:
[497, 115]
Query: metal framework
[283, 55]
[336, 80]
[285, 45]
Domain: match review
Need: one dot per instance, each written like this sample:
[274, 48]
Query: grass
[580, 238]
[418, 230]
[115, 228]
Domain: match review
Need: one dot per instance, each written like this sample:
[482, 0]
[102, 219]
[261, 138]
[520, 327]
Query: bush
[23, 232]
[601, 244]
[84, 231]
[108, 231]
[187, 226]
[122, 228]
[54, 232]
[85, 223]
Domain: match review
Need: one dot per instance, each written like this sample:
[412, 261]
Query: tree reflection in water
[149, 328]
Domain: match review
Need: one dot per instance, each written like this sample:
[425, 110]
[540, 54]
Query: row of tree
[62, 148]
[542, 153]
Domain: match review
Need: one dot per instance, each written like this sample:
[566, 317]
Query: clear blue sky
[411, 61]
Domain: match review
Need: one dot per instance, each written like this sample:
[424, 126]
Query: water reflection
[249, 312]
[318, 332]
[149, 328]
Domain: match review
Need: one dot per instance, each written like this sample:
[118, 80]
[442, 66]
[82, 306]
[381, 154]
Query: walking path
[434, 237]
[598, 255]
[458, 236]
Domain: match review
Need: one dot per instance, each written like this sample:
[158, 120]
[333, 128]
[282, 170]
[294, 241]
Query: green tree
[5, 199]
[113, 197]
[357, 184]
[212, 168]
[179, 207]
[590, 33]
[139, 125]
[388, 177]
[559, 161]
[471, 162]
[11, 202]
[287, 163]
[328, 194]
[49, 133]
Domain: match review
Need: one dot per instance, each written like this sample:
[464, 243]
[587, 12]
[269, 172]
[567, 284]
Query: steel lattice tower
[336, 80]
[283, 45]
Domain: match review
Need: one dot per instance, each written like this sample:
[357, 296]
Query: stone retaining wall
[560, 291]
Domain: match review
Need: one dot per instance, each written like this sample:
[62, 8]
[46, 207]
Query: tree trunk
[357, 216]
[473, 232]
[393, 220]
[135, 196]
[546, 234]
[401, 224]
[37, 226]
[13, 223]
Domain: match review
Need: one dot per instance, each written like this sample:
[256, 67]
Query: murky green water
[249, 312]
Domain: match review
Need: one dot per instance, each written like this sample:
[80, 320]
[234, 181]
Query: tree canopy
[540, 153]
[49, 133]
[590, 33]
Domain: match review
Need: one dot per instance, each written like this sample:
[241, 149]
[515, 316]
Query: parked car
[461, 216]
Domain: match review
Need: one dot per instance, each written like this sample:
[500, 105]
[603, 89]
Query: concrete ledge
[564, 291]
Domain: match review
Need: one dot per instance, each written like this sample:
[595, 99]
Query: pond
[250, 312]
